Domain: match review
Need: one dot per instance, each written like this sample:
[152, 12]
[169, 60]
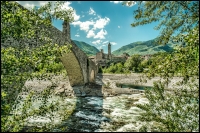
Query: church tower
[66, 30]
[109, 51]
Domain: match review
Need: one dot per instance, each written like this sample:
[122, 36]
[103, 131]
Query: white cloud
[98, 24]
[116, 2]
[77, 35]
[65, 6]
[90, 33]
[97, 42]
[83, 25]
[103, 45]
[76, 17]
[101, 34]
[76, 23]
[90, 26]
[98, 16]
[92, 12]
[101, 23]
[113, 43]
[128, 3]
[118, 26]
[105, 42]
[83, 16]
[100, 47]
[31, 4]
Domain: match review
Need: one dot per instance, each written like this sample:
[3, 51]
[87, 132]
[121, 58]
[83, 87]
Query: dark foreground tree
[19, 62]
[172, 108]
[175, 17]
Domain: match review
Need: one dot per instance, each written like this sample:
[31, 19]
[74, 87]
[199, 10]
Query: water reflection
[139, 87]
[87, 116]
[90, 112]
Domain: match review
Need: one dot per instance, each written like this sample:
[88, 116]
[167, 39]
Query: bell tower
[109, 51]
[66, 30]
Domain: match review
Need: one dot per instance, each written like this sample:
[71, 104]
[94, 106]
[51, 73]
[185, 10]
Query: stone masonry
[79, 67]
[104, 60]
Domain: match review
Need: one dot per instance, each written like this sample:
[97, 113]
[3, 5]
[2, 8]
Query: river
[94, 114]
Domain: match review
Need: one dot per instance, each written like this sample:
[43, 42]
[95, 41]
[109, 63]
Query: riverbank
[105, 85]
[142, 80]
[97, 107]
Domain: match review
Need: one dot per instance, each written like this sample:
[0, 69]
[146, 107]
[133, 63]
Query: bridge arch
[73, 69]
[80, 69]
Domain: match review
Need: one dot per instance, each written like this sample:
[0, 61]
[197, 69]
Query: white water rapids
[96, 113]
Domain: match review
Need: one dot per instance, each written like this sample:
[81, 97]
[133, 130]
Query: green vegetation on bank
[20, 63]
[136, 64]
[183, 62]
[133, 64]
[176, 110]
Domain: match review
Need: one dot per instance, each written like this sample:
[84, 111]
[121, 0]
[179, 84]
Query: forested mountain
[144, 47]
[87, 48]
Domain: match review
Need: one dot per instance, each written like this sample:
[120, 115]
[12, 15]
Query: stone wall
[93, 70]
[78, 66]
[118, 59]
[83, 61]
[99, 56]
[55, 35]
[75, 74]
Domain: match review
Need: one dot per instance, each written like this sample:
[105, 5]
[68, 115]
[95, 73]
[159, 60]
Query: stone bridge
[80, 69]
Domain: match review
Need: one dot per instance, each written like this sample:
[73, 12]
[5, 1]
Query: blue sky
[100, 22]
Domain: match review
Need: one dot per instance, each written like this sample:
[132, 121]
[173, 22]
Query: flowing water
[86, 114]
[95, 114]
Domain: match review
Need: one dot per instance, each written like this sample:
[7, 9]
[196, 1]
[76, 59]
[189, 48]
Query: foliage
[133, 63]
[100, 69]
[115, 68]
[20, 63]
[18, 66]
[173, 109]
[29, 21]
[174, 17]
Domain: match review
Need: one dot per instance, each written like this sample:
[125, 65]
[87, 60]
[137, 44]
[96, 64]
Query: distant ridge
[87, 48]
[144, 48]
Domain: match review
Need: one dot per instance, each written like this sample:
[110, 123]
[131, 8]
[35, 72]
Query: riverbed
[112, 109]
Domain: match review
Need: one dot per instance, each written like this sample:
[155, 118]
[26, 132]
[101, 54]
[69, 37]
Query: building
[104, 60]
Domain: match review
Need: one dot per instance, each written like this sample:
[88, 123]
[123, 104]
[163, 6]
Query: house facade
[103, 59]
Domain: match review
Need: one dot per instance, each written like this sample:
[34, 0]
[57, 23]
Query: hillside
[88, 49]
[143, 48]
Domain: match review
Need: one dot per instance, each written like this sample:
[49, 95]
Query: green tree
[120, 67]
[178, 109]
[19, 62]
[133, 64]
[29, 21]
[175, 17]
[115, 68]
